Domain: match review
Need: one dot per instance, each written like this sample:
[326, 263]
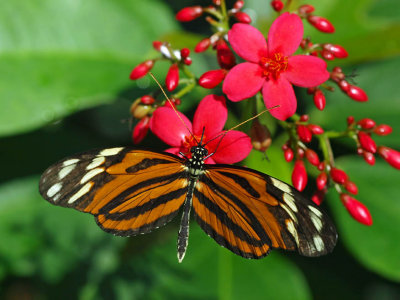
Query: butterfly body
[132, 191]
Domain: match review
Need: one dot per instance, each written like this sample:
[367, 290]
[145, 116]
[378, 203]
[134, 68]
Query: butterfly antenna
[238, 125]
[173, 107]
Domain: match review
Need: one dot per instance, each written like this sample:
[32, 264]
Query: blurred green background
[64, 88]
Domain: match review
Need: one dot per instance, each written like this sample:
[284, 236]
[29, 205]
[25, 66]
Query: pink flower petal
[247, 42]
[211, 114]
[210, 161]
[234, 147]
[280, 92]
[167, 126]
[243, 81]
[285, 34]
[306, 71]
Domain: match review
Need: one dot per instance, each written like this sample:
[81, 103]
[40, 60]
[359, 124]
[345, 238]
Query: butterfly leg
[183, 234]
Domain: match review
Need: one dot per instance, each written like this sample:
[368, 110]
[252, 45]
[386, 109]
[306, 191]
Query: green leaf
[47, 240]
[210, 271]
[377, 246]
[58, 56]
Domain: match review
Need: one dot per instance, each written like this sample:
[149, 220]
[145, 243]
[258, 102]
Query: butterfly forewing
[249, 212]
[129, 191]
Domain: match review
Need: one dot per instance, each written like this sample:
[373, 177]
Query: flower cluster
[254, 66]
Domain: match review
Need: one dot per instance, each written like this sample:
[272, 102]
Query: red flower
[211, 114]
[272, 69]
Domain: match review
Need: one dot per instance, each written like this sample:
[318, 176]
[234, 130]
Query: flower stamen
[274, 65]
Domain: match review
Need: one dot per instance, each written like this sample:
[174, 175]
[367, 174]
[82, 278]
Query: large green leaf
[60, 56]
[376, 247]
[211, 272]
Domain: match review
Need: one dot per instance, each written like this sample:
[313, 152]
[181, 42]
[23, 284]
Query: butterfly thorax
[196, 162]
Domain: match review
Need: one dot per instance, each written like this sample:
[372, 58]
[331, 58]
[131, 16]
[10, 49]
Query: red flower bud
[304, 133]
[226, 59]
[318, 197]
[142, 69]
[187, 61]
[369, 157]
[319, 99]
[312, 157]
[185, 52]
[356, 209]
[327, 55]
[366, 123]
[383, 129]
[390, 155]
[338, 176]
[367, 143]
[260, 136]
[211, 79]
[299, 176]
[172, 79]
[174, 103]
[157, 45]
[351, 187]
[321, 166]
[238, 4]
[187, 14]
[300, 153]
[344, 85]
[277, 5]
[350, 120]
[306, 9]
[147, 100]
[356, 93]
[202, 45]
[321, 24]
[337, 50]
[322, 179]
[288, 154]
[315, 129]
[140, 130]
[304, 118]
[242, 17]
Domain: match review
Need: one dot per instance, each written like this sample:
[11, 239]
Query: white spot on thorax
[65, 171]
[289, 200]
[70, 162]
[86, 188]
[319, 243]
[89, 175]
[110, 151]
[96, 162]
[282, 186]
[54, 189]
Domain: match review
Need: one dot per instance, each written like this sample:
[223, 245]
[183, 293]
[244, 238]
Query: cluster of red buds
[354, 92]
[361, 132]
[298, 148]
[305, 11]
[191, 13]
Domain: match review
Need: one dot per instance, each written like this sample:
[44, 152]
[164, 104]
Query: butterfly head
[199, 152]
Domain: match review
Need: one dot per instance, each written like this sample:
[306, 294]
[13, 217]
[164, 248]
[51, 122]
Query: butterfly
[131, 191]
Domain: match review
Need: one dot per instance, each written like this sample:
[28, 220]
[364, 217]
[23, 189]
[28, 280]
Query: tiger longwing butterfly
[132, 191]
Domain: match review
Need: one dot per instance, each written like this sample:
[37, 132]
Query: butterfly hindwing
[249, 213]
[128, 191]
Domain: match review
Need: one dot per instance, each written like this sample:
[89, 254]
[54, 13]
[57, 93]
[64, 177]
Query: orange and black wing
[128, 191]
[249, 213]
